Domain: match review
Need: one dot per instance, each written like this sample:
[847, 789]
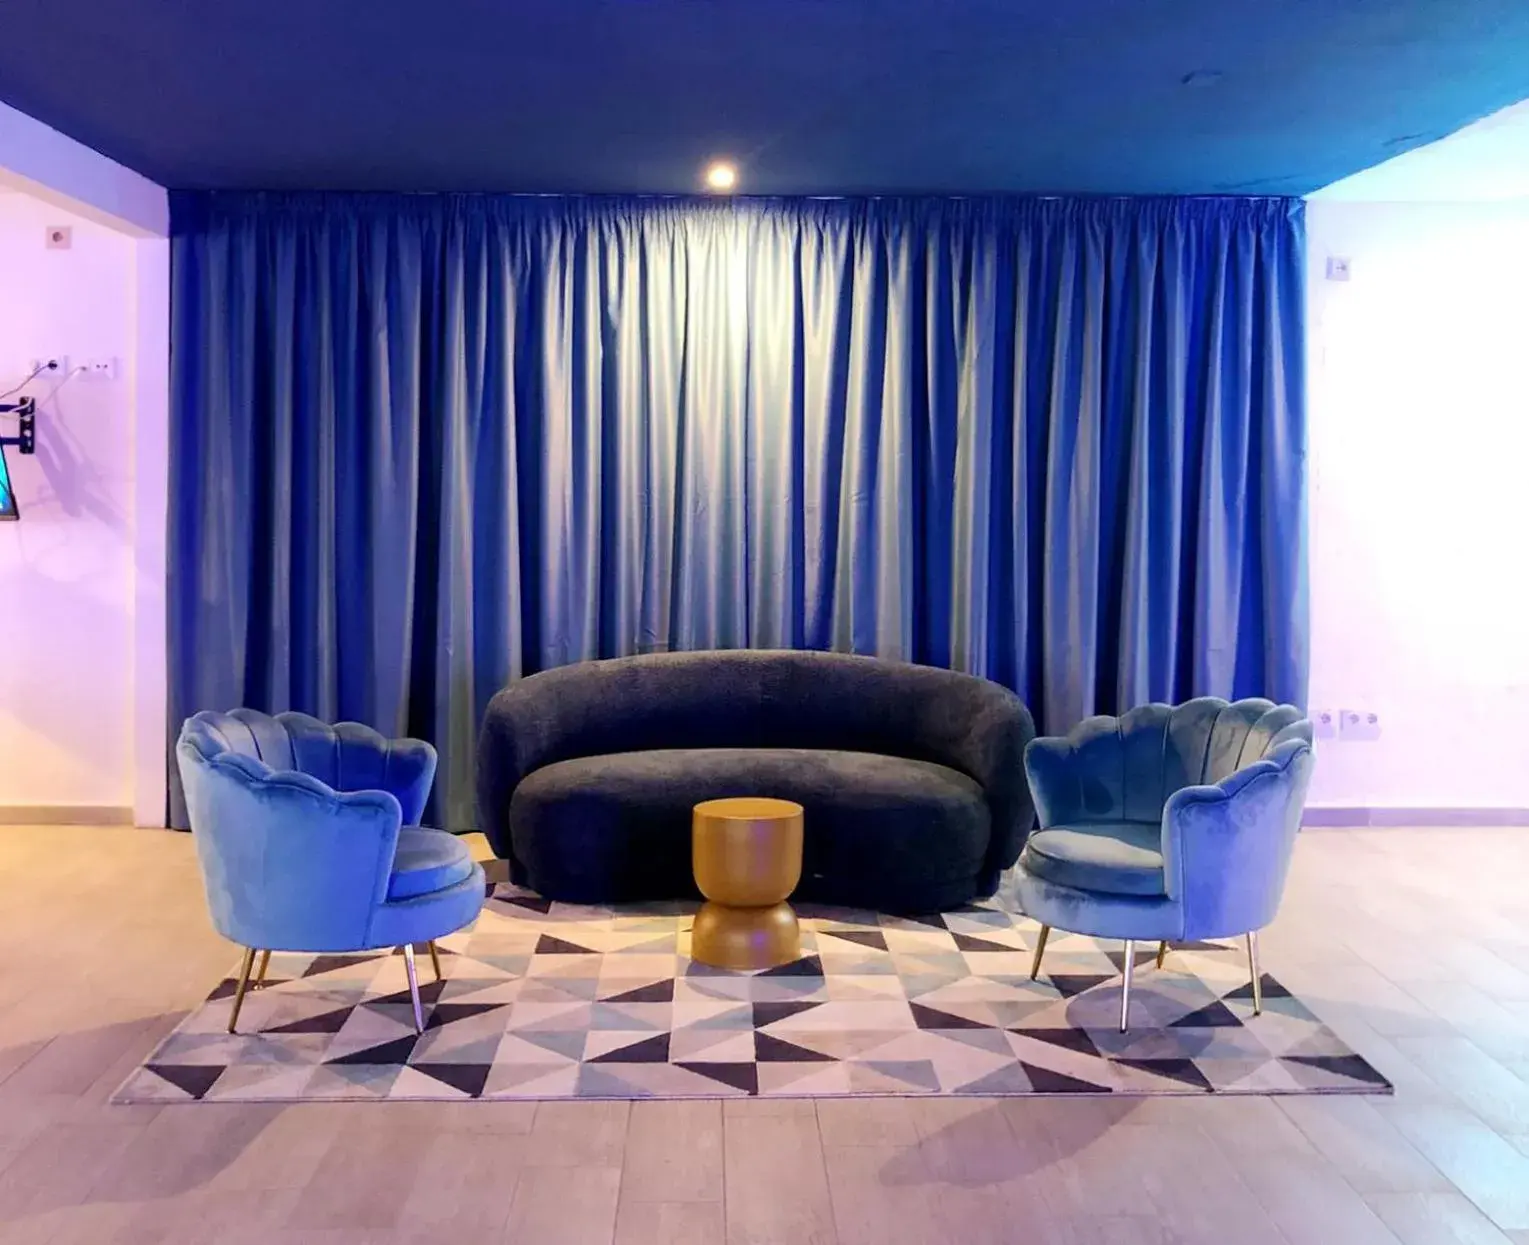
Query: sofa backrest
[756, 699]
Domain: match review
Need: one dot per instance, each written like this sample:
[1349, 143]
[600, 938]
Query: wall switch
[1325, 723]
[1358, 724]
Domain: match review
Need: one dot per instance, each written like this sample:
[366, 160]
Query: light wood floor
[1413, 944]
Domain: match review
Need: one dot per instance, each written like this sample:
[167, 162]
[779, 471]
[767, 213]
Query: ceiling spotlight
[721, 176]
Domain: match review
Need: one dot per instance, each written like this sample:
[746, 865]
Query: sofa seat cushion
[879, 831]
[1111, 857]
[427, 861]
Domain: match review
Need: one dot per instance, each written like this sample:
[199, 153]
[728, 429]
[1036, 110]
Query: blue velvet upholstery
[299, 830]
[1167, 823]
[911, 777]
[427, 861]
[1117, 857]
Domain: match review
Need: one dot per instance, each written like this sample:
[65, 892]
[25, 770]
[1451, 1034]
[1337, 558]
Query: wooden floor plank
[1444, 1162]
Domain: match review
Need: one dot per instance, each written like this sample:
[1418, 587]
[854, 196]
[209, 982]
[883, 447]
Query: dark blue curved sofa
[912, 778]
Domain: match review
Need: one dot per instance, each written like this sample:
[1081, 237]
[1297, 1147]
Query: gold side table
[747, 857]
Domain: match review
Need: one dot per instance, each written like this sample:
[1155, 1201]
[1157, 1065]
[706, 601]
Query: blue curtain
[423, 445]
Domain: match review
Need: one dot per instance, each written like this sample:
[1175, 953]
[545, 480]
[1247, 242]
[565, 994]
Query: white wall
[69, 570]
[82, 577]
[1419, 525]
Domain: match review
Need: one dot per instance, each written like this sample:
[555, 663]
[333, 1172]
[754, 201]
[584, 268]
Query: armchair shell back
[1127, 768]
[344, 757]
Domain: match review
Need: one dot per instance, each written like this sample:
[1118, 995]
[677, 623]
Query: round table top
[748, 808]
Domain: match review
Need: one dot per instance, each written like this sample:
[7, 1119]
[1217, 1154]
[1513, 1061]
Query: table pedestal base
[745, 938]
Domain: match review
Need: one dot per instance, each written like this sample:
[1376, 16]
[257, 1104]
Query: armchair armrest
[1227, 845]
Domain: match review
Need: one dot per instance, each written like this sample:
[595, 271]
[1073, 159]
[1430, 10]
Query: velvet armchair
[1166, 824]
[305, 837]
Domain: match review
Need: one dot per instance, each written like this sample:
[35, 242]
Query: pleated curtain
[423, 445]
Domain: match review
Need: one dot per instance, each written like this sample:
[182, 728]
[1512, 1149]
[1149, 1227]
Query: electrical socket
[55, 366]
[103, 368]
[1359, 725]
[1324, 723]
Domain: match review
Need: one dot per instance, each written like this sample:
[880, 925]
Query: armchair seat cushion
[1111, 857]
[427, 861]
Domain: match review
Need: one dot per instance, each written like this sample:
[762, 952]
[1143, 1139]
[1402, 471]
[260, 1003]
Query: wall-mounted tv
[8, 507]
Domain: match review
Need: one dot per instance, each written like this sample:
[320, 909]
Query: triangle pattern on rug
[1353, 1067]
[768, 1013]
[769, 1049]
[445, 1013]
[873, 938]
[1066, 1039]
[807, 966]
[915, 1073]
[532, 903]
[607, 1005]
[970, 942]
[395, 1052]
[1070, 985]
[658, 992]
[1216, 1015]
[927, 1017]
[744, 1076]
[324, 1022]
[1008, 1079]
[428, 993]
[331, 963]
[193, 1078]
[650, 1050]
[470, 1078]
[1268, 987]
[933, 921]
[549, 945]
[1050, 1081]
[569, 1043]
[1184, 1071]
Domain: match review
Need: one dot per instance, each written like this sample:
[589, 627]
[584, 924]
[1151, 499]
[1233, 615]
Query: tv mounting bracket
[25, 439]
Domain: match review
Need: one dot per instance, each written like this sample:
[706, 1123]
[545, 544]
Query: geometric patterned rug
[553, 1000]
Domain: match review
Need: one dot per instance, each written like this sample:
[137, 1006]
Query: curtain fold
[424, 445]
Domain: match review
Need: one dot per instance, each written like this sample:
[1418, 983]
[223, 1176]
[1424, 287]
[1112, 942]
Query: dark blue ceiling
[811, 96]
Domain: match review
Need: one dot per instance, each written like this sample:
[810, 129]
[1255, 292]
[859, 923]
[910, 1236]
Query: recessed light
[721, 176]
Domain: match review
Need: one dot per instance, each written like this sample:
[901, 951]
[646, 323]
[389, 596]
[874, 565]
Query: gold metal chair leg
[265, 963]
[1040, 950]
[1258, 984]
[244, 984]
[1162, 952]
[435, 960]
[1125, 985]
[408, 963]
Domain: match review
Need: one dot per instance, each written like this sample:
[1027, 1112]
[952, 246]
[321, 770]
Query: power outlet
[1359, 725]
[1324, 723]
[54, 367]
[104, 368]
